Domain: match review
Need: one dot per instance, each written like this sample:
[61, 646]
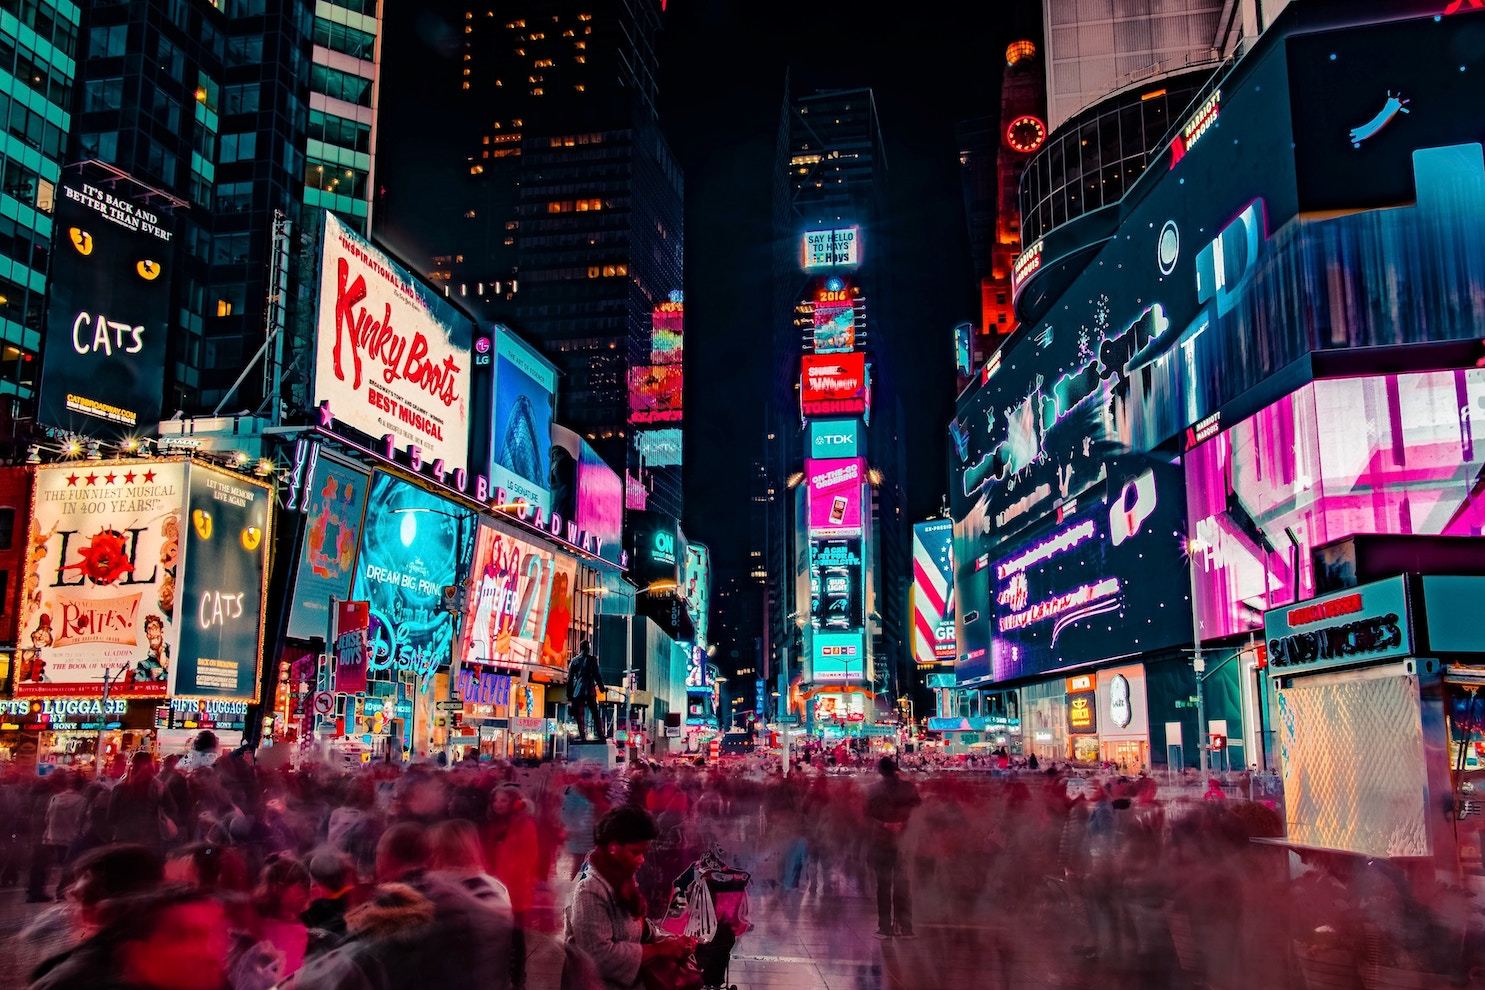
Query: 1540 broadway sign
[1358, 625]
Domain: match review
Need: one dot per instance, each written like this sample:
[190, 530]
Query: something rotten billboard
[413, 545]
[519, 609]
[831, 384]
[101, 594]
[835, 495]
[933, 592]
[103, 367]
[227, 541]
[1095, 586]
[525, 393]
[393, 357]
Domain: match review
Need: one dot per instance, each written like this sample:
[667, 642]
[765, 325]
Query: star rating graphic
[72, 481]
[129, 477]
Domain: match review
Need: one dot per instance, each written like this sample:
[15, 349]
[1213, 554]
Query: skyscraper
[231, 119]
[562, 211]
[38, 51]
[834, 554]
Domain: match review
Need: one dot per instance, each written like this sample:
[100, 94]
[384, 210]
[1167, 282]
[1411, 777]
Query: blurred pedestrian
[889, 805]
[63, 825]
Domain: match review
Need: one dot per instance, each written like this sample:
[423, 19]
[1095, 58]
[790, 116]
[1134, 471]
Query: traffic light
[1219, 741]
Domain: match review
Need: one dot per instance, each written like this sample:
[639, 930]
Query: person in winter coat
[172, 939]
[511, 848]
[136, 807]
[608, 935]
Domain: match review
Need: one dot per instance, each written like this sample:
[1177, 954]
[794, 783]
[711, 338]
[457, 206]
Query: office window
[108, 42]
[103, 94]
[239, 147]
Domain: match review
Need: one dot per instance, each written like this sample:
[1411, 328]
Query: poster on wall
[392, 355]
[334, 502]
[103, 366]
[1082, 590]
[521, 423]
[101, 593]
[835, 495]
[519, 609]
[413, 545]
[228, 535]
[352, 645]
[933, 592]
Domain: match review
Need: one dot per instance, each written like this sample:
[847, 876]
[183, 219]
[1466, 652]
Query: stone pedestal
[600, 754]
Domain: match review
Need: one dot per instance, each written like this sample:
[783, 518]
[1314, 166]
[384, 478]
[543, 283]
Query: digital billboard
[103, 366]
[334, 501]
[521, 421]
[655, 393]
[101, 594]
[1095, 585]
[519, 608]
[585, 490]
[832, 384]
[226, 573]
[835, 488]
[832, 438]
[835, 327]
[392, 356]
[1302, 466]
[413, 545]
[838, 656]
[838, 247]
[659, 448]
[667, 322]
[933, 592]
[697, 588]
[659, 549]
[837, 584]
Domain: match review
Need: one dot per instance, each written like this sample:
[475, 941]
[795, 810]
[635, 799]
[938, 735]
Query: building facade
[1146, 466]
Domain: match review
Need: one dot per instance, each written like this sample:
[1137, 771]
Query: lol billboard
[392, 356]
[101, 595]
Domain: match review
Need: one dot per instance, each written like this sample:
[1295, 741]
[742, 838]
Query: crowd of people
[212, 872]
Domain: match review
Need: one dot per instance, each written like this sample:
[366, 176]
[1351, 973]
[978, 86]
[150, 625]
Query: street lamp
[1195, 545]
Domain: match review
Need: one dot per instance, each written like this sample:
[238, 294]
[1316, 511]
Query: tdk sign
[835, 438]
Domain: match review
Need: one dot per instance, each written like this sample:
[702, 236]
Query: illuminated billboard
[103, 366]
[832, 438]
[226, 552]
[839, 247]
[659, 448]
[832, 384]
[696, 588]
[835, 488]
[835, 327]
[519, 606]
[837, 584]
[334, 499]
[102, 591]
[521, 420]
[667, 337]
[392, 355]
[586, 491]
[413, 545]
[838, 656]
[1093, 586]
[659, 549]
[655, 393]
[1302, 466]
[933, 592]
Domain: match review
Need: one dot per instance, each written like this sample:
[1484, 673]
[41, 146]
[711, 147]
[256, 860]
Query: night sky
[723, 68]
[722, 76]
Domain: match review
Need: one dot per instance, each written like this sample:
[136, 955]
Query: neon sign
[1393, 106]
[1196, 127]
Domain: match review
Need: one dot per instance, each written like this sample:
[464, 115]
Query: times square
[513, 496]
